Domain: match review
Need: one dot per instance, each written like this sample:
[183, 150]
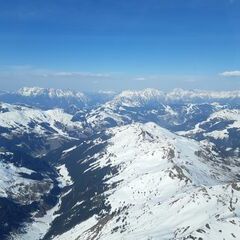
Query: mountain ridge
[128, 166]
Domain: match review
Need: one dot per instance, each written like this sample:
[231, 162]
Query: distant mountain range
[55, 98]
[48, 98]
[134, 165]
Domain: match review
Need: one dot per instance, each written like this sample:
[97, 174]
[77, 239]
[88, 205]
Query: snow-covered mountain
[48, 98]
[200, 96]
[30, 185]
[178, 110]
[138, 165]
[144, 182]
[151, 96]
[222, 128]
[28, 188]
[174, 116]
[36, 130]
[50, 92]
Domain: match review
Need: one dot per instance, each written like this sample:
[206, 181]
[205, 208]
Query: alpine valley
[135, 165]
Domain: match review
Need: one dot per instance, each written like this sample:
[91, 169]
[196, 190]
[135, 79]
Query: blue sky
[114, 45]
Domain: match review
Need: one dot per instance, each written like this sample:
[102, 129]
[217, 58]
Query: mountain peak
[50, 92]
[156, 180]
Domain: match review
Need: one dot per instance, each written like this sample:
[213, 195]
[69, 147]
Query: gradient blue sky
[114, 45]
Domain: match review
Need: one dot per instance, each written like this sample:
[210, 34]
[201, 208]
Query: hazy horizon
[91, 46]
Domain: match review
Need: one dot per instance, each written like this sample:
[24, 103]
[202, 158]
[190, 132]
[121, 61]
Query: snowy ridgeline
[127, 97]
[175, 95]
[19, 119]
[121, 175]
[165, 187]
[230, 119]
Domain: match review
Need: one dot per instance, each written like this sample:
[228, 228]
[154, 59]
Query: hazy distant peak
[136, 98]
[181, 94]
[176, 95]
[50, 92]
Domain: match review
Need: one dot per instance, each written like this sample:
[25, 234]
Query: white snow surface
[65, 178]
[228, 114]
[10, 180]
[36, 229]
[137, 98]
[167, 187]
[51, 92]
[232, 115]
[143, 95]
[19, 118]
[16, 187]
[69, 150]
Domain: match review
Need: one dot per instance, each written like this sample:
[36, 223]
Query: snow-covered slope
[27, 190]
[14, 184]
[24, 119]
[35, 129]
[221, 128]
[159, 186]
[178, 110]
[125, 110]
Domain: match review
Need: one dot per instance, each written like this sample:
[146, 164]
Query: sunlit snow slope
[162, 186]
